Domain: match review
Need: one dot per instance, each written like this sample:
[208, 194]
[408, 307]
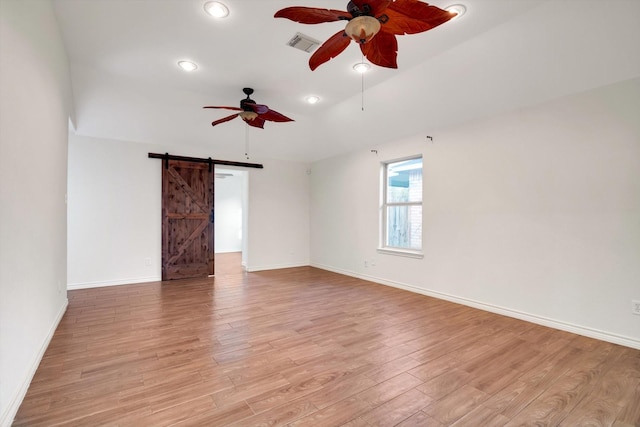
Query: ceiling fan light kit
[372, 24]
[361, 29]
[248, 115]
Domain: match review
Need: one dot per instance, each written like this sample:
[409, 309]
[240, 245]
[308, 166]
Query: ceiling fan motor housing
[248, 114]
[244, 104]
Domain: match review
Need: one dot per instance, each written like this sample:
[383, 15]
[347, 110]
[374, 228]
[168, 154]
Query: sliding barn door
[187, 219]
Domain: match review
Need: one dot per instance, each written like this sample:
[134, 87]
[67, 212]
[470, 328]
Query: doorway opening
[231, 211]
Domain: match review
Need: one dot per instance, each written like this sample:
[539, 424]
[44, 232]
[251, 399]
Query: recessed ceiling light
[216, 9]
[459, 9]
[312, 99]
[187, 65]
[361, 67]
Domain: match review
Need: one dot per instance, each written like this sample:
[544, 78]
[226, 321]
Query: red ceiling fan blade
[329, 49]
[258, 108]
[226, 108]
[376, 6]
[225, 119]
[258, 122]
[382, 50]
[311, 15]
[413, 16]
[274, 116]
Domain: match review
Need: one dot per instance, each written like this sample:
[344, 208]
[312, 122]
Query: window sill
[401, 252]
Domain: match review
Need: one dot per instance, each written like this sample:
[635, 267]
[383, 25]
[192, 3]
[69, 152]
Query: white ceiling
[501, 55]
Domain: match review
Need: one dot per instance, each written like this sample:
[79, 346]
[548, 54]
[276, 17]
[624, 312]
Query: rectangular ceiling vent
[303, 42]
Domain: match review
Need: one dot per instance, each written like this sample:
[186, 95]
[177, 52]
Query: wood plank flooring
[307, 347]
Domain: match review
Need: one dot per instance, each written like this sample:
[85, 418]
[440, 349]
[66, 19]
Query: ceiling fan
[252, 113]
[373, 24]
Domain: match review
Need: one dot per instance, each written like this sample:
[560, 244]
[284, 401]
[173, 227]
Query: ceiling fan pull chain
[362, 85]
[246, 141]
[362, 91]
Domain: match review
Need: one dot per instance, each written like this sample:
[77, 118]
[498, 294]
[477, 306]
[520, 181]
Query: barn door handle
[211, 216]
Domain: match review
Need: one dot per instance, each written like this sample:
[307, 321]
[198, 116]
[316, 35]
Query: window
[402, 206]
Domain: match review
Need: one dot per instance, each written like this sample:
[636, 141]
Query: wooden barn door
[187, 219]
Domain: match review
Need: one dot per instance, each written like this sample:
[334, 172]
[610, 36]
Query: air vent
[303, 42]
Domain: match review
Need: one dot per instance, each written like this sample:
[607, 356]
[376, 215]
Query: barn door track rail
[166, 157]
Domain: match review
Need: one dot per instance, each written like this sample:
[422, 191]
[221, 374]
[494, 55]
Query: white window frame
[382, 247]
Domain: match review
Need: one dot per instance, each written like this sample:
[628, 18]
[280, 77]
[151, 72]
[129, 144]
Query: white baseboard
[6, 418]
[544, 321]
[100, 284]
[254, 268]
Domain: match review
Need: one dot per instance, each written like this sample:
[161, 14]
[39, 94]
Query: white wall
[35, 106]
[115, 206]
[533, 214]
[114, 213]
[278, 222]
[229, 210]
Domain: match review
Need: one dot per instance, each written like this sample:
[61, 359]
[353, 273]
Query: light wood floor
[306, 347]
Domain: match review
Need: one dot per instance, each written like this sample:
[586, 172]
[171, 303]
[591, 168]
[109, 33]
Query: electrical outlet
[373, 262]
[366, 263]
[635, 306]
[147, 262]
